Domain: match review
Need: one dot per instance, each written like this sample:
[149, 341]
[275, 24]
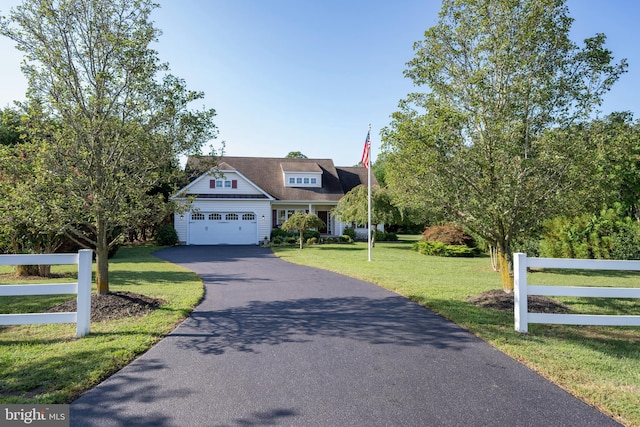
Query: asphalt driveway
[274, 343]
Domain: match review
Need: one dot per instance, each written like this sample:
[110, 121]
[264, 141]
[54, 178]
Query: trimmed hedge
[442, 249]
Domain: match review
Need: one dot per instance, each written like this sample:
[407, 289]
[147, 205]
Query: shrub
[291, 240]
[442, 249]
[282, 234]
[448, 234]
[386, 237]
[166, 236]
[608, 235]
[312, 241]
[276, 241]
[308, 234]
[346, 239]
[350, 231]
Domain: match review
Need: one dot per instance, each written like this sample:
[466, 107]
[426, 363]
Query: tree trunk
[27, 270]
[493, 254]
[44, 270]
[301, 237]
[505, 263]
[102, 258]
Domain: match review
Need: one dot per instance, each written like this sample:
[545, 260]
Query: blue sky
[309, 76]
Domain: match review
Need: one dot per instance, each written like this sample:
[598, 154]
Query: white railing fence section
[82, 288]
[522, 290]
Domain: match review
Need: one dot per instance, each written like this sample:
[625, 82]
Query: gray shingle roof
[267, 173]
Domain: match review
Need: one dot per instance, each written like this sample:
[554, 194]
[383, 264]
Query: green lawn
[600, 365]
[47, 364]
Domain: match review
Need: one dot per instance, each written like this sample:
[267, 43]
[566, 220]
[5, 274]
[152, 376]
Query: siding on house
[202, 185]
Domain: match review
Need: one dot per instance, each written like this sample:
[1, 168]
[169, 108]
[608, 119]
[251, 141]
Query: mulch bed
[114, 305]
[500, 300]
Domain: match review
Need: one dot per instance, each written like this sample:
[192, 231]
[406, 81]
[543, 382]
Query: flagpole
[369, 195]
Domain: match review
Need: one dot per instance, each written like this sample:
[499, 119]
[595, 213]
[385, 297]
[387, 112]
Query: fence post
[85, 258]
[520, 306]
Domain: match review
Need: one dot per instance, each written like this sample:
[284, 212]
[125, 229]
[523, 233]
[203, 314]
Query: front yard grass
[47, 364]
[600, 365]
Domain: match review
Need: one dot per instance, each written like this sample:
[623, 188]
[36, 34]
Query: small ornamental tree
[302, 222]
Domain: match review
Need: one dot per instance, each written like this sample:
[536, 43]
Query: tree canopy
[499, 75]
[302, 222]
[103, 111]
[295, 155]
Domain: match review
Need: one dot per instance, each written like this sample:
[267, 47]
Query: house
[241, 200]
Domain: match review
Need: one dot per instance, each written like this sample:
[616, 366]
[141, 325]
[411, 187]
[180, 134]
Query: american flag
[367, 149]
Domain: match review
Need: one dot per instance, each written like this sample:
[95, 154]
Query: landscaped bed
[600, 365]
[47, 364]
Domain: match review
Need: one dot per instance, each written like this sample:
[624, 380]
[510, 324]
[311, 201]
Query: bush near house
[166, 236]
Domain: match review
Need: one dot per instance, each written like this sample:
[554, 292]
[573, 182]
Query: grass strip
[47, 364]
[600, 365]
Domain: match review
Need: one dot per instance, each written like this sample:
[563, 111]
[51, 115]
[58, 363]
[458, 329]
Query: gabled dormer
[298, 174]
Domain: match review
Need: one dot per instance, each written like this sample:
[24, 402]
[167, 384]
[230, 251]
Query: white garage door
[223, 228]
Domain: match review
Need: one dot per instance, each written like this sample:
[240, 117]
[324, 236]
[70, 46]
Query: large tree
[498, 74]
[120, 118]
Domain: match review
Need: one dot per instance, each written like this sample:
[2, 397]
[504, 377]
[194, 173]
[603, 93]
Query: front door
[324, 216]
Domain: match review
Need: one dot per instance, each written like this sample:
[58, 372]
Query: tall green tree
[120, 116]
[498, 74]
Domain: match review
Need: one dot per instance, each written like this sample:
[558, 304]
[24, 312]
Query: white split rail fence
[522, 289]
[82, 288]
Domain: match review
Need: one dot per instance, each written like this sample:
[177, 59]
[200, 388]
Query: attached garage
[223, 228]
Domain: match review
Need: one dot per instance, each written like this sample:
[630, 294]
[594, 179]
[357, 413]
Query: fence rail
[522, 290]
[82, 289]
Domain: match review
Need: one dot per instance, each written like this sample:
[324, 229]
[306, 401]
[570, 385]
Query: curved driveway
[274, 343]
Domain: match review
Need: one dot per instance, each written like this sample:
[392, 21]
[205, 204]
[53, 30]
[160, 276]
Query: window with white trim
[231, 217]
[249, 217]
[197, 217]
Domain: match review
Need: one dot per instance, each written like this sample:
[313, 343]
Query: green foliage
[102, 113]
[350, 231]
[280, 233]
[302, 222]
[607, 235]
[498, 76]
[166, 236]
[444, 250]
[291, 240]
[346, 239]
[383, 236]
[295, 155]
[310, 234]
[277, 241]
[353, 207]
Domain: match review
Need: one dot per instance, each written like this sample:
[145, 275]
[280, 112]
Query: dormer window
[301, 174]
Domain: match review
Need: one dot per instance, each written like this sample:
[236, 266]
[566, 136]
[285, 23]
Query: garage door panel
[223, 228]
